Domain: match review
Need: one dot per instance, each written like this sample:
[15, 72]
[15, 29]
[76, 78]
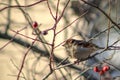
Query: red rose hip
[96, 69]
[35, 24]
[105, 68]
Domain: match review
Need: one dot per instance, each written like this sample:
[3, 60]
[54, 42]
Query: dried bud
[44, 32]
[35, 25]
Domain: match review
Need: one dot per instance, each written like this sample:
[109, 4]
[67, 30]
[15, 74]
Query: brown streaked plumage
[80, 49]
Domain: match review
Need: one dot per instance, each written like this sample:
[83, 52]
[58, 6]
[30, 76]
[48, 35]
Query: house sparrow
[80, 49]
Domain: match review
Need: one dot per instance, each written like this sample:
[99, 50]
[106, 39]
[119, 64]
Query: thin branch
[29, 37]
[28, 18]
[96, 35]
[63, 11]
[105, 49]
[15, 6]
[57, 8]
[51, 64]
[109, 24]
[8, 42]
[71, 23]
[23, 43]
[112, 65]
[102, 12]
[44, 78]
[18, 69]
[12, 38]
[23, 61]
[8, 18]
[82, 72]
[62, 61]
[50, 10]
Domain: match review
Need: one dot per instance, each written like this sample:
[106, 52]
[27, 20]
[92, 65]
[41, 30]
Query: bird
[80, 49]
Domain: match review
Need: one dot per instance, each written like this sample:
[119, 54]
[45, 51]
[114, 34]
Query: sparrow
[80, 49]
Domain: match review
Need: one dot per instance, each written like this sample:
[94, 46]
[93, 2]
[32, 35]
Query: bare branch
[15, 6]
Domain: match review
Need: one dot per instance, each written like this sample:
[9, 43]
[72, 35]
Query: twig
[102, 12]
[12, 38]
[62, 61]
[29, 37]
[63, 11]
[111, 65]
[81, 73]
[105, 49]
[102, 32]
[66, 65]
[71, 23]
[17, 69]
[50, 10]
[51, 65]
[15, 6]
[23, 61]
[57, 8]
[44, 78]
[109, 23]
[24, 44]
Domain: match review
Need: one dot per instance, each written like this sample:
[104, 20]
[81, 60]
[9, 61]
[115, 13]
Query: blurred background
[16, 36]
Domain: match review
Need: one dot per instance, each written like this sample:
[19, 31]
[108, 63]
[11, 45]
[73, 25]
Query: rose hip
[35, 24]
[105, 68]
[96, 69]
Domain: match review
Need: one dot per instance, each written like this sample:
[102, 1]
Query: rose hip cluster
[101, 71]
